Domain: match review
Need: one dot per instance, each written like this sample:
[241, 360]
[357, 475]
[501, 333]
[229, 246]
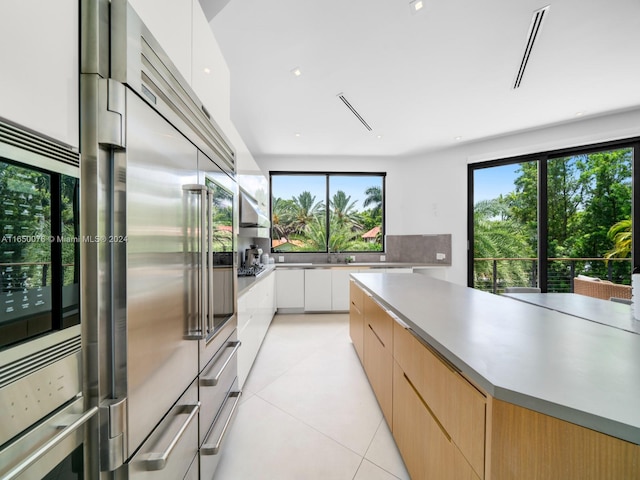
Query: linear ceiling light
[354, 111]
[534, 31]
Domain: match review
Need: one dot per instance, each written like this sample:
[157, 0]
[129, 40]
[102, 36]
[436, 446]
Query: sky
[287, 186]
[489, 183]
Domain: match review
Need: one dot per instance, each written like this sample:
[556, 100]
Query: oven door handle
[213, 381]
[51, 444]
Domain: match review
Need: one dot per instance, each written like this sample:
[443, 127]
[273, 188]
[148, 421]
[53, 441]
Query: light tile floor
[307, 410]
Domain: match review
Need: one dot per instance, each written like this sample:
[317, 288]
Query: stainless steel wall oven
[42, 409]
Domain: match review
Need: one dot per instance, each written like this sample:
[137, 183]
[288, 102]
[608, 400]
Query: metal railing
[495, 274]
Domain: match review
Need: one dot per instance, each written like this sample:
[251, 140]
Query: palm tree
[344, 212]
[281, 217]
[304, 210]
[374, 197]
[620, 233]
[496, 235]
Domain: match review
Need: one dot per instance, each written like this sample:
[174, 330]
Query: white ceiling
[420, 80]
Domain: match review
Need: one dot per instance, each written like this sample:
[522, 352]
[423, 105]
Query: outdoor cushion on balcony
[600, 288]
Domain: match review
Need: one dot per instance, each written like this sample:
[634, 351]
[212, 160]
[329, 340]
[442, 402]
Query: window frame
[328, 175]
[543, 158]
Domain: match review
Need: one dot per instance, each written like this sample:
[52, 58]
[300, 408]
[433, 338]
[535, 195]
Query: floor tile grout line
[311, 426]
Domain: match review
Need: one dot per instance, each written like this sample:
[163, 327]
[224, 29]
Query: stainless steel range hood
[253, 221]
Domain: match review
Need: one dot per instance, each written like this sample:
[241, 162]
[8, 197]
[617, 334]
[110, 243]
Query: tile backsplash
[417, 249]
[430, 249]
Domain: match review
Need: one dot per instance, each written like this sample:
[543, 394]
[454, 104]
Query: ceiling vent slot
[354, 111]
[534, 31]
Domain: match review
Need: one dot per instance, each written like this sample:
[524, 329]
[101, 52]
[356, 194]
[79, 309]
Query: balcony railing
[495, 274]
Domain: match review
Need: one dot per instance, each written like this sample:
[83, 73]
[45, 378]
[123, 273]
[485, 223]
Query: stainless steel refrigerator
[159, 284]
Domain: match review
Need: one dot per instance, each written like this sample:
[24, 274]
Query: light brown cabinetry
[448, 429]
[528, 445]
[356, 317]
[455, 405]
[378, 354]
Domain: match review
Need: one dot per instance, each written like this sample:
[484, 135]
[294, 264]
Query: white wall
[427, 193]
[438, 180]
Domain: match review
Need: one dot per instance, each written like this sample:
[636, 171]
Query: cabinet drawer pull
[424, 403]
[398, 320]
[158, 460]
[214, 448]
[213, 381]
[374, 332]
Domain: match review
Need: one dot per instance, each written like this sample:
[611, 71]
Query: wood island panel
[527, 445]
[356, 318]
[457, 405]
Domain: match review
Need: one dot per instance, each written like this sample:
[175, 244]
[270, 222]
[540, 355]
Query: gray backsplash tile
[419, 248]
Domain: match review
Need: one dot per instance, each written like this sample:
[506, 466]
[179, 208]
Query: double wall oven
[42, 409]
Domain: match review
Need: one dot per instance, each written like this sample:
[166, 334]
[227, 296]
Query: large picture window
[541, 220]
[327, 212]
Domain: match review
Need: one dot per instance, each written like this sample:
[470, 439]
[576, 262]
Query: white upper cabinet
[170, 23]
[39, 59]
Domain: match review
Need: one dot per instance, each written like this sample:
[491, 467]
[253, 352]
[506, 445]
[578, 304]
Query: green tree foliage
[620, 234]
[302, 222]
[589, 200]
[305, 210]
[499, 235]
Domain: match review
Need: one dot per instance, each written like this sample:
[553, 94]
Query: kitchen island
[538, 393]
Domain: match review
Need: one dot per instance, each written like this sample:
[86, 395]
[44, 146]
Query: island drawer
[457, 405]
[377, 319]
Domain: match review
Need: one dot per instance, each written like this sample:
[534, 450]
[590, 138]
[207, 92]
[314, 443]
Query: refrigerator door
[220, 245]
[161, 359]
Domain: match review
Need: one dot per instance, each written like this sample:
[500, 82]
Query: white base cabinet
[290, 289]
[317, 290]
[256, 308]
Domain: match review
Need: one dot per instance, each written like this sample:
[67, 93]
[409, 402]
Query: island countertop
[557, 364]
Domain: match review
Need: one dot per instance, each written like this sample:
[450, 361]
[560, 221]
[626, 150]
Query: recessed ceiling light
[298, 134]
[378, 137]
[296, 72]
[579, 114]
[207, 70]
[457, 139]
[416, 6]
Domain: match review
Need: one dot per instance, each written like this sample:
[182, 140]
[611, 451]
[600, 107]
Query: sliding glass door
[542, 220]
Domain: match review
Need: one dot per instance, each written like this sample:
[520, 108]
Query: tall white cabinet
[39, 59]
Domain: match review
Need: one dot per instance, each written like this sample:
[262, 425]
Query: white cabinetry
[40, 81]
[317, 290]
[340, 288]
[256, 308]
[290, 289]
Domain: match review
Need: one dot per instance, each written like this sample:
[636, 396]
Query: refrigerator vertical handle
[209, 324]
[199, 332]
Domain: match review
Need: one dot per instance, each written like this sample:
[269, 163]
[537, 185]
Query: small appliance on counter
[252, 256]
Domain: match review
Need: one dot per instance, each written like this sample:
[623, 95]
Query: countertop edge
[608, 426]
[245, 283]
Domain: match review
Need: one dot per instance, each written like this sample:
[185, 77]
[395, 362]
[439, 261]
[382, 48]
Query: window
[543, 219]
[300, 203]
